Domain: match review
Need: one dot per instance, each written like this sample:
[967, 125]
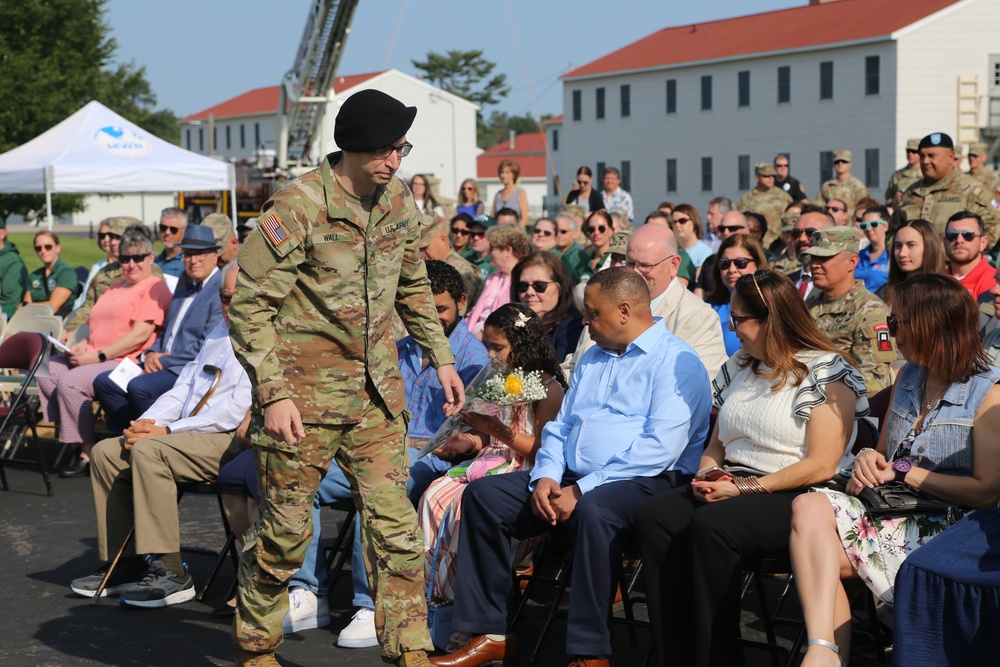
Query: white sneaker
[305, 611]
[360, 632]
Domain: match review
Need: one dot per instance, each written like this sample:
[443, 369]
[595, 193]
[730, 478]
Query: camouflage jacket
[899, 181]
[770, 204]
[317, 288]
[785, 264]
[850, 191]
[472, 277]
[936, 202]
[111, 274]
[990, 179]
[855, 323]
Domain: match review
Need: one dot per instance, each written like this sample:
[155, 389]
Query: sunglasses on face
[539, 286]
[865, 226]
[583, 183]
[599, 228]
[835, 209]
[457, 231]
[39, 248]
[966, 235]
[107, 235]
[732, 229]
[544, 232]
[740, 262]
[681, 221]
[779, 166]
[893, 324]
[138, 259]
[169, 228]
[565, 231]
[807, 232]
[477, 235]
[841, 162]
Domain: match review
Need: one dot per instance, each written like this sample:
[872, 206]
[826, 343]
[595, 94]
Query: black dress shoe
[78, 467]
[225, 611]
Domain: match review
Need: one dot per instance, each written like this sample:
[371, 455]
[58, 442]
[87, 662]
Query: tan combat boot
[250, 659]
[414, 659]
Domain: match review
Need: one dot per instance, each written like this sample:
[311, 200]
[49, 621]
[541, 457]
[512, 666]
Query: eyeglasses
[966, 235]
[740, 262]
[48, 246]
[138, 259]
[169, 228]
[864, 226]
[835, 209]
[477, 235]
[808, 232]
[107, 235]
[733, 229]
[539, 286]
[681, 221]
[402, 150]
[599, 228]
[893, 324]
[644, 268]
[457, 231]
[736, 320]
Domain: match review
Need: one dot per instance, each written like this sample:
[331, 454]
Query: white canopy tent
[97, 151]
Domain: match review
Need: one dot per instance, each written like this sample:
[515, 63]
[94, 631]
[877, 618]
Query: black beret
[370, 119]
[936, 140]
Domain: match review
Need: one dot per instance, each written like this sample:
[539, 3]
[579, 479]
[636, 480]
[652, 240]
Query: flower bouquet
[495, 388]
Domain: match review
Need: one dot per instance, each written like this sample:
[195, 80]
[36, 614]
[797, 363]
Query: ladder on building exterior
[307, 87]
[968, 110]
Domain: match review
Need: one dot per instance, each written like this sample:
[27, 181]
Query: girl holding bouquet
[503, 443]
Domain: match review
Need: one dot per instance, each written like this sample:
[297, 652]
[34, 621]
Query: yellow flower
[512, 385]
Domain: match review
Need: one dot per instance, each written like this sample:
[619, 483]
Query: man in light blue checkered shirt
[633, 424]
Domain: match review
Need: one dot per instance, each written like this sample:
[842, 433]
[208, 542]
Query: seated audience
[688, 230]
[573, 256]
[543, 235]
[598, 230]
[873, 260]
[739, 255]
[55, 283]
[13, 274]
[135, 476]
[478, 252]
[194, 312]
[225, 236]
[787, 402]
[461, 234]
[434, 246]
[508, 244]
[631, 426]
[173, 224]
[965, 243]
[123, 322]
[989, 325]
[424, 198]
[939, 438]
[107, 241]
[469, 202]
[916, 249]
[687, 273]
[540, 282]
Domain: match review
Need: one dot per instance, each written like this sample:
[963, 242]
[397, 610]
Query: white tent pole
[48, 208]
[142, 202]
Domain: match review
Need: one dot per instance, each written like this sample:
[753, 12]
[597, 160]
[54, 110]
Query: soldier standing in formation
[905, 177]
[767, 200]
[843, 185]
[333, 254]
[978, 153]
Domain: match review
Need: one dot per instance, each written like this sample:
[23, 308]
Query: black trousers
[693, 555]
[496, 509]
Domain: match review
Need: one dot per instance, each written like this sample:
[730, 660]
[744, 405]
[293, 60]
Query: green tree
[499, 126]
[469, 75]
[55, 56]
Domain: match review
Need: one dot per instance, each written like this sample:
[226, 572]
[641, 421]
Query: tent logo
[122, 141]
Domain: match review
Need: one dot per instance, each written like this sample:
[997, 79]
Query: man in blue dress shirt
[633, 424]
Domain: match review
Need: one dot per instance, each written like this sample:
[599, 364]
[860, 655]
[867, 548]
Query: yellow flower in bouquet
[513, 385]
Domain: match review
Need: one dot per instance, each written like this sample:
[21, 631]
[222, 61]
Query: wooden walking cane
[94, 601]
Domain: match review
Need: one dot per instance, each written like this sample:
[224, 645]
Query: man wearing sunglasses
[766, 199]
[785, 180]
[811, 219]
[906, 176]
[573, 256]
[334, 255]
[964, 243]
[173, 222]
[849, 315]
[943, 191]
[843, 185]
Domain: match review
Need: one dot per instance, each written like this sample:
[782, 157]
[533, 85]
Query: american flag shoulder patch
[274, 230]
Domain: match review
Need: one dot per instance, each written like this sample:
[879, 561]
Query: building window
[626, 175]
[706, 174]
[784, 84]
[872, 75]
[187, 138]
[744, 89]
[826, 80]
[600, 175]
[706, 93]
[243, 135]
[229, 136]
[671, 95]
[577, 105]
[600, 104]
[672, 175]
[743, 167]
[871, 167]
[825, 166]
[256, 136]
[215, 138]
[626, 101]
[201, 139]
[555, 140]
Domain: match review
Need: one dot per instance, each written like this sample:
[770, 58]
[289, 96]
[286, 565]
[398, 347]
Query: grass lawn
[76, 250]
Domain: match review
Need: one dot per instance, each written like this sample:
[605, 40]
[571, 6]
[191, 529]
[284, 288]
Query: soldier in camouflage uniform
[978, 153]
[766, 199]
[905, 177]
[334, 254]
[943, 191]
[850, 316]
[110, 275]
[787, 262]
[843, 186]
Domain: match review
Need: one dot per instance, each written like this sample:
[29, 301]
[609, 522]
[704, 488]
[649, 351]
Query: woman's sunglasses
[740, 262]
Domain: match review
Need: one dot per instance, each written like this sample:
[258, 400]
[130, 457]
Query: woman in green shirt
[55, 283]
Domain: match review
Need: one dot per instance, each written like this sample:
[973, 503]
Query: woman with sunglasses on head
[123, 322]
[55, 283]
[599, 230]
[939, 438]
[873, 260]
[739, 255]
[468, 199]
[916, 249]
[787, 402]
[541, 282]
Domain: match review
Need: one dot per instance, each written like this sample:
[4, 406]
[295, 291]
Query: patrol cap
[575, 210]
[912, 144]
[788, 219]
[619, 241]
[936, 140]
[483, 221]
[959, 151]
[833, 241]
[221, 226]
[370, 119]
[198, 237]
[842, 155]
[979, 149]
[764, 169]
[119, 224]
[429, 231]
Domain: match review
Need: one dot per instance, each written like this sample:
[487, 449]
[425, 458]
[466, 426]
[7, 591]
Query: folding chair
[43, 324]
[23, 351]
[35, 309]
[343, 544]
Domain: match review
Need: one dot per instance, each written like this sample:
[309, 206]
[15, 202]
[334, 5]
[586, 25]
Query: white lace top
[766, 430]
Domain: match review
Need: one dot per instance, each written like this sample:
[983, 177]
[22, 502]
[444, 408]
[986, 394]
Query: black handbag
[896, 498]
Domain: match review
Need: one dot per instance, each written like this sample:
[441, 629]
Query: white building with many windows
[685, 112]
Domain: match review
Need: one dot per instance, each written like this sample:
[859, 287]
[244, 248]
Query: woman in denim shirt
[939, 438]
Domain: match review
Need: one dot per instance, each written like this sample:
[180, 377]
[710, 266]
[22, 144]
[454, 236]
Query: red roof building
[528, 150]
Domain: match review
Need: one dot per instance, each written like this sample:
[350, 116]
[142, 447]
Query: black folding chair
[23, 351]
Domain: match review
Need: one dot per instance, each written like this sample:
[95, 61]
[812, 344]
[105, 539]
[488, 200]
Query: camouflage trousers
[372, 454]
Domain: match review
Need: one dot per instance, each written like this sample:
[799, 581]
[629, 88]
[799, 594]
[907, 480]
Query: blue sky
[198, 53]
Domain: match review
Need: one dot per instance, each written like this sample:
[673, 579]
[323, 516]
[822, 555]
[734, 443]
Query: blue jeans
[313, 574]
